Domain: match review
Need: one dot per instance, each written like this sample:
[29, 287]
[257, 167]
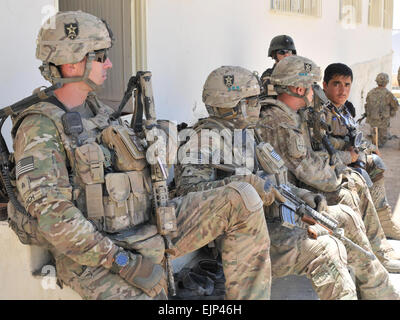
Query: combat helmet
[68, 37]
[282, 42]
[295, 71]
[382, 79]
[226, 87]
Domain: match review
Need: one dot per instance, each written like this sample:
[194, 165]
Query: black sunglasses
[282, 52]
[101, 55]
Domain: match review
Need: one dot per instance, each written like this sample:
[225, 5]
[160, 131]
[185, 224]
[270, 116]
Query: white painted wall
[187, 39]
[20, 21]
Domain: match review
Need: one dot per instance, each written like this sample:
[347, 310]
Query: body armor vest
[109, 175]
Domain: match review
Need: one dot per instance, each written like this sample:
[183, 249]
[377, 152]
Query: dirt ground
[391, 157]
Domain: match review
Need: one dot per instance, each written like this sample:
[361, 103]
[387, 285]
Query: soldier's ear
[325, 85]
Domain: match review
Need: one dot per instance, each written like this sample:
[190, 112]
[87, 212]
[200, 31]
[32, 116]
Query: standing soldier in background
[84, 181]
[338, 79]
[380, 106]
[398, 77]
[280, 47]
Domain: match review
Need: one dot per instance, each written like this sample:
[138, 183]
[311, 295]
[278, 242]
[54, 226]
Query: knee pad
[249, 195]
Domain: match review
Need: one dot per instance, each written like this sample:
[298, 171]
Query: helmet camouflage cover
[282, 42]
[382, 79]
[69, 36]
[227, 85]
[295, 71]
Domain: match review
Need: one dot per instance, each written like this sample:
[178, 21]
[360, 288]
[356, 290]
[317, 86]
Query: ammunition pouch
[129, 152]
[128, 202]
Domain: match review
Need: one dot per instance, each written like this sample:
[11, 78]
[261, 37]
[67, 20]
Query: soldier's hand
[354, 154]
[314, 200]
[144, 274]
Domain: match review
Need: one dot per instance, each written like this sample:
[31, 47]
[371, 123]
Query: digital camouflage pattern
[227, 85]
[287, 132]
[295, 71]
[380, 106]
[292, 252]
[84, 255]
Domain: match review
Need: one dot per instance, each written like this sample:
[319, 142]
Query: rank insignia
[71, 30]
[308, 67]
[229, 80]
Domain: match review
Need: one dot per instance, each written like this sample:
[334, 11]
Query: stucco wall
[187, 39]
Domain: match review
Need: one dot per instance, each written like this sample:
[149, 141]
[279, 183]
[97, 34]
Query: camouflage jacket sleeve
[281, 129]
[43, 184]
[394, 104]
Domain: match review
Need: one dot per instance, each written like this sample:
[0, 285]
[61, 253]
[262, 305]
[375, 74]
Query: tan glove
[144, 274]
[314, 200]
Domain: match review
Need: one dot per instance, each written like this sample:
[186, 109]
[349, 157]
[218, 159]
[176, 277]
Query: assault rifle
[293, 205]
[165, 215]
[6, 188]
[318, 125]
[354, 136]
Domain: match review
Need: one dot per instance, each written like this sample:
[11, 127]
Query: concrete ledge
[17, 263]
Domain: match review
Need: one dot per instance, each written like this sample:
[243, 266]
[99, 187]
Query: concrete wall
[187, 39]
[17, 263]
[20, 22]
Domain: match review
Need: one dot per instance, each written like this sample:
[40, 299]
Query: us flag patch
[24, 165]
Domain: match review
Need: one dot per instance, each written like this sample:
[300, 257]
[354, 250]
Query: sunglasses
[101, 55]
[282, 52]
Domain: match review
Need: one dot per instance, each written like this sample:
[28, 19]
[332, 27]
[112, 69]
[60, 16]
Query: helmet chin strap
[84, 78]
[303, 97]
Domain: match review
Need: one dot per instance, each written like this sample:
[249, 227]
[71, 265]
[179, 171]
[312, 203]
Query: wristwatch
[121, 259]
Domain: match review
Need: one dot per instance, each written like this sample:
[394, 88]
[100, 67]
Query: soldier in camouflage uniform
[398, 77]
[280, 47]
[231, 98]
[284, 126]
[89, 199]
[338, 79]
[380, 106]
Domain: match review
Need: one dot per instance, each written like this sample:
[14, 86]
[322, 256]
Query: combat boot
[392, 266]
[390, 226]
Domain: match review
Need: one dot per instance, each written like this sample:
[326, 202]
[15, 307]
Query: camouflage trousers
[355, 193]
[202, 217]
[372, 279]
[322, 260]
[245, 245]
[390, 223]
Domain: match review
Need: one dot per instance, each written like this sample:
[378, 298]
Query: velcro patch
[24, 165]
